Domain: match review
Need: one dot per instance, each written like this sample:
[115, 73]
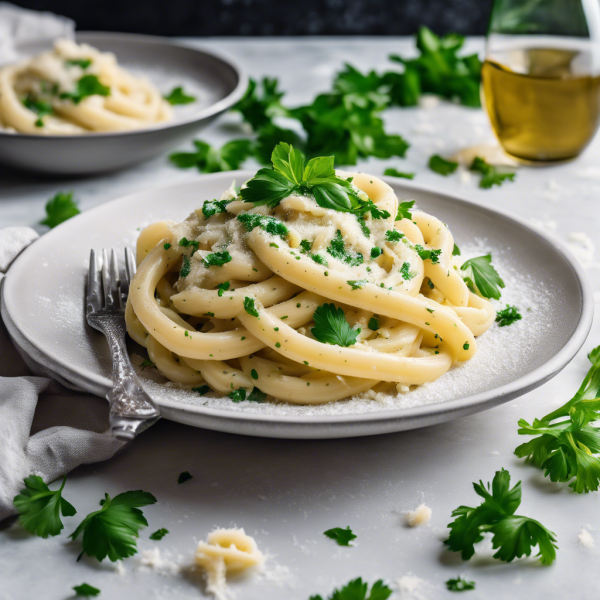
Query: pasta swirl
[236, 297]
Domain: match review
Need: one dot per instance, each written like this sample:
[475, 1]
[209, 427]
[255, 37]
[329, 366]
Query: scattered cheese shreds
[586, 539]
[411, 587]
[226, 551]
[153, 559]
[420, 516]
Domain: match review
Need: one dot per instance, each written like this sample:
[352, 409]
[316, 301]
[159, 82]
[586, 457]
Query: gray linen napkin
[45, 429]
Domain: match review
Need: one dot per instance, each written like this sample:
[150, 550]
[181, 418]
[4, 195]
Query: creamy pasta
[303, 303]
[76, 89]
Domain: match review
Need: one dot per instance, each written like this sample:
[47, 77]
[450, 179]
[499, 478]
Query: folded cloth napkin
[25, 31]
[45, 428]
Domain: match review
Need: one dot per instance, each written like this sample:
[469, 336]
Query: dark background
[271, 17]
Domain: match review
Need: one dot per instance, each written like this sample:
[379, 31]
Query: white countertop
[286, 493]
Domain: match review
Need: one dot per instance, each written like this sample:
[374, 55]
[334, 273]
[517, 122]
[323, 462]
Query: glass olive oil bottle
[541, 77]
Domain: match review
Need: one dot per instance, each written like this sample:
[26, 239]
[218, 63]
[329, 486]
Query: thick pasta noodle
[229, 298]
[76, 89]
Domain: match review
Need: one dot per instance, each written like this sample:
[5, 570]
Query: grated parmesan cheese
[420, 516]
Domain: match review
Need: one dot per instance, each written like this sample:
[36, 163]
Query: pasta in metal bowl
[76, 89]
[300, 296]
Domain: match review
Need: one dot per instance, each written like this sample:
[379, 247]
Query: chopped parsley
[455, 250]
[343, 537]
[363, 226]
[166, 245]
[85, 590]
[513, 535]
[240, 395]
[254, 374]
[305, 246]
[88, 85]
[319, 259]
[466, 346]
[331, 326]
[257, 396]
[357, 284]
[376, 252]
[393, 235]
[40, 508]
[373, 323]
[567, 445]
[147, 363]
[189, 243]
[186, 266]
[481, 277]
[112, 530]
[491, 175]
[216, 259]
[159, 534]
[337, 249]
[223, 287]
[395, 173]
[214, 207]
[442, 166]
[84, 63]
[249, 306]
[407, 274]
[433, 254]
[357, 590]
[208, 159]
[508, 316]
[183, 477]
[404, 209]
[39, 107]
[178, 96]
[203, 389]
[59, 209]
[460, 585]
[269, 224]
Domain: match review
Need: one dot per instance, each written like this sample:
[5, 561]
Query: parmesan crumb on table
[420, 516]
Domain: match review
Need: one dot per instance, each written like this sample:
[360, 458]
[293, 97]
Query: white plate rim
[424, 415]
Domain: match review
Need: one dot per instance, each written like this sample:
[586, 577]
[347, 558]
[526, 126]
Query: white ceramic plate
[43, 308]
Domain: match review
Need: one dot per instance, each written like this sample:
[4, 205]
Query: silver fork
[131, 408]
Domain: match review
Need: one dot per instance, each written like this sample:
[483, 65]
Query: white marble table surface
[286, 493]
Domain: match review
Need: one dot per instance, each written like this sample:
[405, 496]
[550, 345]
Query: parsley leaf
[183, 477]
[432, 253]
[508, 316]
[376, 251]
[88, 85]
[249, 306]
[455, 250]
[59, 209]
[404, 209]
[266, 223]
[147, 363]
[203, 389]
[373, 323]
[256, 396]
[214, 207]
[393, 235]
[442, 166]
[178, 96]
[217, 259]
[259, 106]
[407, 274]
[337, 249]
[357, 590]
[186, 266]
[460, 585]
[331, 326]
[85, 590]
[111, 531]
[39, 107]
[481, 277]
[84, 63]
[357, 284]
[159, 534]
[567, 446]
[223, 287]
[40, 508]
[490, 175]
[343, 537]
[208, 159]
[238, 395]
[395, 173]
[514, 536]
[267, 187]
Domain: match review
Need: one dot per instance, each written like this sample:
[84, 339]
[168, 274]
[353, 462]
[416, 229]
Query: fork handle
[131, 409]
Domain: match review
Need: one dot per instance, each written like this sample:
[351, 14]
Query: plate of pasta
[309, 302]
[105, 101]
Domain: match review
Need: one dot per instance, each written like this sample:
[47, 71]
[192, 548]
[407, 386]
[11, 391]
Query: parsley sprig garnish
[395, 173]
[359, 590]
[343, 537]
[491, 175]
[514, 536]
[59, 209]
[481, 277]
[567, 445]
[178, 96]
[88, 85]
[337, 249]
[111, 531]
[331, 326]
[208, 159]
[217, 259]
[441, 166]
[40, 508]
[508, 316]
[86, 590]
[214, 207]
[292, 175]
[404, 210]
[459, 584]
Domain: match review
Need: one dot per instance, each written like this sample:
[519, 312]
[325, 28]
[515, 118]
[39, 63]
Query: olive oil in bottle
[544, 103]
